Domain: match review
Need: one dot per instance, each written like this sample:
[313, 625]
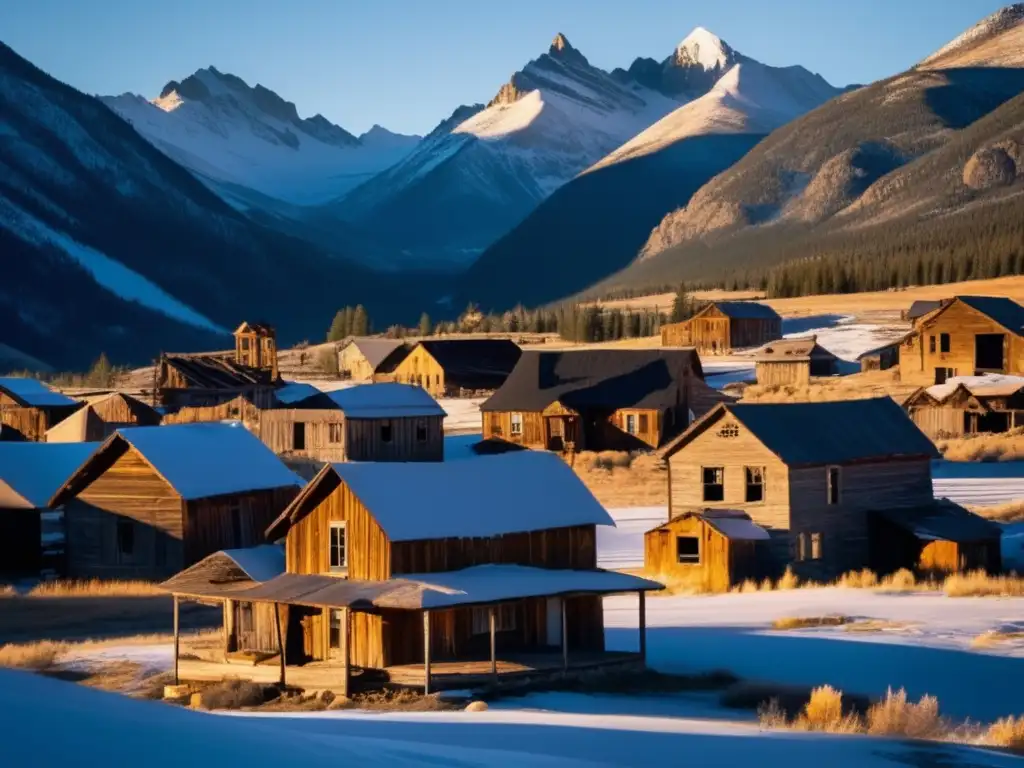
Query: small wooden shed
[794, 362]
[451, 367]
[30, 407]
[935, 539]
[211, 379]
[713, 548]
[722, 326]
[881, 358]
[968, 405]
[96, 421]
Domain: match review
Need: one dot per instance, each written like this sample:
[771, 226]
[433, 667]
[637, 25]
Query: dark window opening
[755, 483]
[125, 538]
[833, 485]
[385, 432]
[421, 433]
[687, 549]
[334, 433]
[941, 374]
[644, 421]
[931, 344]
[943, 342]
[988, 352]
[299, 436]
[714, 483]
[631, 424]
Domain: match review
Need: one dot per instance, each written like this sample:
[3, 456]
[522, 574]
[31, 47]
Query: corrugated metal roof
[33, 392]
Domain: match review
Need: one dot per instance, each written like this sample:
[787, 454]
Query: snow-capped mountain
[235, 136]
[470, 181]
[689, 71]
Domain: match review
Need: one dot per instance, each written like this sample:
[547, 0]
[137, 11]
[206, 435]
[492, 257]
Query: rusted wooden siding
[421, 369]
[419, 438]
[231, 521]
[323, 433]
[32, 423]
[782, 374]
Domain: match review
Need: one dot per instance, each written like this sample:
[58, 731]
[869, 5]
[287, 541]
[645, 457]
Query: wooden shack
[595, 400]
[792, 362]
[152, 500]
[30, 473]
[433, 593]
[968, 405]
[369, 359]
[935, 540]
[97, 420]
[881, 358]
[965, 336]
[808, 473]
[29, 407]
[723, 326]
[453, 367]
[714, 549]
[369, 422]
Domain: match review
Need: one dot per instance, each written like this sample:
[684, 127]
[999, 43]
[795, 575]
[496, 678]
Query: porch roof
[943, 521]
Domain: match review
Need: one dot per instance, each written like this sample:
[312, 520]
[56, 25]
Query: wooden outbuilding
[596, 400]
[965, 336]
[723, 326]
[30, 473]
[715, 549]
[881, 358]
[919, 309]
[29, 407]
[369, 359]
[808, 473]
[393, 568]
[935, 540]
[368, 422]
[453, 367]
[968, 405]
[794, 362]
[152, 500]
[97, 420]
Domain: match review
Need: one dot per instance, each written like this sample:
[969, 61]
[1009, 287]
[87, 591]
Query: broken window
[729, 430]
[713, 479]
[755, 483]
[687, 549]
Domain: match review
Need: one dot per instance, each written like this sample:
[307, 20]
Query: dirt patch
[805, 622]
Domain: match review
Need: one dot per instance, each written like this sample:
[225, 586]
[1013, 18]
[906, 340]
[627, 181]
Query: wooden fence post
[643, 625]
[426, 652]
[494, 654]
[280, 639]
[176, 640]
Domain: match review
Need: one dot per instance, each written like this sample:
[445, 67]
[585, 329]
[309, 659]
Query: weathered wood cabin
[714, 549]
[452, 367]
[29, 407]
[152, 500]
[723, 326]
[965, 336]
[596, 400]
[393, 567]
[30, 473]
[814, 475]
[368, 359]
[213, 378]
[794, 362]
[369, 422]
[881, 358]
[98, 420]
[968, 405]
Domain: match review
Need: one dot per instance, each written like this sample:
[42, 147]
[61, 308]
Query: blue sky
[406, 64]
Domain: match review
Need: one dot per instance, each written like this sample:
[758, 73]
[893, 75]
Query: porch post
[565, 640]
[426, 652]
[280, 639]
[494, 655]
[643, 625]
[176, 640]
[348, 653]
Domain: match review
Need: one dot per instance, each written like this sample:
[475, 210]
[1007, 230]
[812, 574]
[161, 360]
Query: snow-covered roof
[384, 400]
[33, 392]
[989, 385]
[261, 563]
[294, 391]
[489, 496]
[734, 524]
[30, 473]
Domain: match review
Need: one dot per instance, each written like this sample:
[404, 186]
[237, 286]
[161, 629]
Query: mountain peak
[559, 44]
[704, 49]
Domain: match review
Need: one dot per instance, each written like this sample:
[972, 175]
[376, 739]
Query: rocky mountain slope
[470, 181]
[891, 151]
[690, 71]
[594, 225]
[109, 245]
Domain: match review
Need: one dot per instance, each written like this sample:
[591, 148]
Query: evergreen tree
[682, 307]
[425, 325]
[102, 372]
[360, 321]
[337, 330]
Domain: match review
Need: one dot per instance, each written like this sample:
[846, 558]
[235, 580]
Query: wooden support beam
[280, 639]
[494, 654]
[643, 625]
[348, 650]
[426, 652]
[565, 639]
[176, 640]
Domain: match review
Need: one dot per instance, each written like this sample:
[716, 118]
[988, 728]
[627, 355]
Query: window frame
[630, 423]
[690, 559]
[833, 487]
[809, 546]
[515, 428]
[421, 431]
[335, 433]
[763, 485]
[705, 484]
[931, 344]
[944, 343]
[337, 525]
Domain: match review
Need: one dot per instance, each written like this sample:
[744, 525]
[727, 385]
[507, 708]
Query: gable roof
[197, 460]
[943, 521]
[922, 307]
[376, 351]
[988, 385]
[144, 414]
[598, 378]
[818, 433]
[999, 309]
[30, 473]
[294, 392]
[229, 571]
[488, 360]
[487, 496]
[746, 310]
[734, 524]
[217, 371]
[793, 350]
[380, 401]
[33, 393]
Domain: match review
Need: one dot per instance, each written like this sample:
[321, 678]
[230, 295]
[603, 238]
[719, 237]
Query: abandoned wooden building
[97, 420]
[965, 336]
[794, 362]
[724, 326]
[814, 475]
[152, 500]
[431, 593]
[30, 473]
[712, 550]
[451, 367]
[256, 347]
[881, 358]
[368, 422]
[371, 359]
[29, 407]
[968, 405]
[596, 400]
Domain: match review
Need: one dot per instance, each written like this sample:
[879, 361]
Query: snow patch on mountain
[703, 48]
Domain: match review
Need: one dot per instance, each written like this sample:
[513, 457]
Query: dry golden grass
[1007, 732]
[1011, 512]
[825, 712]
[1008, 446]
[856, 386]
[621, 479]
[95, 588]
[981, 584]
[37, 656]
[789, 580]
[896, 716]
[803, 622]
[863, 579]
[995, 637]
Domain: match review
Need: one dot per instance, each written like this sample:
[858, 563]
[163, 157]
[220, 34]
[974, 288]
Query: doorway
[299, 436]
[556, 434]
[988, 352]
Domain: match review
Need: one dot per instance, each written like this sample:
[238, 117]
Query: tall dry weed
[36, 656]
[1007, 732]
[896, 716]
[95, 588]
[824, 712]
[981, 584]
